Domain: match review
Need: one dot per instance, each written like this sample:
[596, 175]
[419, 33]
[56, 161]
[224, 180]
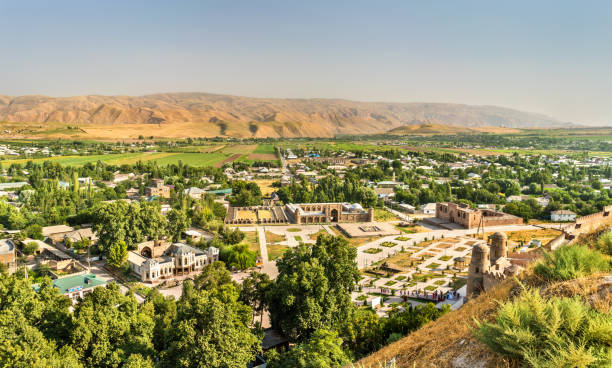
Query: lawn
[275, 251]
[298, 238]
[390, 283]
[316, 235]
[382, 215]
[274, 238]
[293, 230]
[433, 265]
[372, 250]
[388, 244]
[445, 258]
[252, 239]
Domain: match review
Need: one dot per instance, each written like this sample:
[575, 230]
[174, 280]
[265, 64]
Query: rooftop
[77, 282]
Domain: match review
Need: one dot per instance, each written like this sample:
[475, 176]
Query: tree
[153, 221]
[313, 287]
[117, 254]
[30, 248]
[109, 328]
[110, 224]
[322, 350]
[177, 223]
[210, 332]
[253, 291]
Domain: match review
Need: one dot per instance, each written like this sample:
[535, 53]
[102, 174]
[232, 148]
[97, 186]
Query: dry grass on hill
[448, 341]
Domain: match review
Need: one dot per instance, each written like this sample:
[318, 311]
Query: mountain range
[209, 115]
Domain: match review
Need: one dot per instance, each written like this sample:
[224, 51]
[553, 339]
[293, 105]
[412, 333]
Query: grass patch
[373, 250]
[388, 244]
[293, 230]
[445, 258]
[400, 278]
[276, 251]
[402, 238]
[381, 215]
[571, 262]
[549, 332]
[433, 265]
[298, 238]
[430, 288]
[390, 283]
[274, 238]
[440, 282]
[316, 235]
[252, 239]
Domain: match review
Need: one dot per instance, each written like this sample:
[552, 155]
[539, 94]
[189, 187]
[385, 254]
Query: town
[418, 229]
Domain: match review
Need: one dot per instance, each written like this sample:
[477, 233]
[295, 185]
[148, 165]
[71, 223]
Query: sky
[551, 57]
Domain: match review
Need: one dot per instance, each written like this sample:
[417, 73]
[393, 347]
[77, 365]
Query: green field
[193, 158]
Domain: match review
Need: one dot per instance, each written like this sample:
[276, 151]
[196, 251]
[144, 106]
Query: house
[84, 181]
[196, 234]
[194, 192]
[158, 189]
[562, 215]
[81, 234]
[383, 192]
[56, 233]
[7, 253]
[77, 286]
[405, 207]
[429, 209]
[154, 260]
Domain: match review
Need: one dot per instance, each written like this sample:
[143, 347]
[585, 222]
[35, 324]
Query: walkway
[366, 259]
[268, 267]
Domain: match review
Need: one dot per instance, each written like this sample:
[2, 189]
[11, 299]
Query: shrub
[604, 243]
[556, 332]
[571, 262]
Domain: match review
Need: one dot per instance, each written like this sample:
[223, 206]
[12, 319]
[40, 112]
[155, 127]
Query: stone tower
[478, 265]
[499, 246]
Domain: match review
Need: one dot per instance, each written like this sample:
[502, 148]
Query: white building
[429, 209]
[155, 260]
[562, 215]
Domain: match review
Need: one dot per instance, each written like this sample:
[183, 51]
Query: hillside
[209, 115]
[578, 270]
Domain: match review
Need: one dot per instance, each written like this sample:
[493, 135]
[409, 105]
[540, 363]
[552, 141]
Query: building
[76, 287]
[462, 214]
[489, 265]
[194, 192]
[158, 189]
[302, 213]
[7, 253]
[56, 233]
[562, 215]
[429, 208]
[155, 260]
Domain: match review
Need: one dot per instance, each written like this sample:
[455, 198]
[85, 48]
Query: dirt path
[232, 158]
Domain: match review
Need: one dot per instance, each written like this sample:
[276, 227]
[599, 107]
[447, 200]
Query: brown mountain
[203, 114]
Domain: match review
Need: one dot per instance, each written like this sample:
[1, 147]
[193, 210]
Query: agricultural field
[211, 155]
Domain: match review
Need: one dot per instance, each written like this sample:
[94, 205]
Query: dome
[499, 235]
[480, 248]
[356, 206]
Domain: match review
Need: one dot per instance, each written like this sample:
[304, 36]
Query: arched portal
[334, 215]
[146, 252]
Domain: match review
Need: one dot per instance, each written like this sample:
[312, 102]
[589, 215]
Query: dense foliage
[555, 332]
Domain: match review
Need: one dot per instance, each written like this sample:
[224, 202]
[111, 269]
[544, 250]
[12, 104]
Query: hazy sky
[552, 57]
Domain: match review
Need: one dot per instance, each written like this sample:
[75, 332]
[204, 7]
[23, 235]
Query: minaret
[499, 246]
[478, 265]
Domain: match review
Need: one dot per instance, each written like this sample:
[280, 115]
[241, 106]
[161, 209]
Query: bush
[30, 248]
[558, 332]
[604, 243]
[571, 262]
